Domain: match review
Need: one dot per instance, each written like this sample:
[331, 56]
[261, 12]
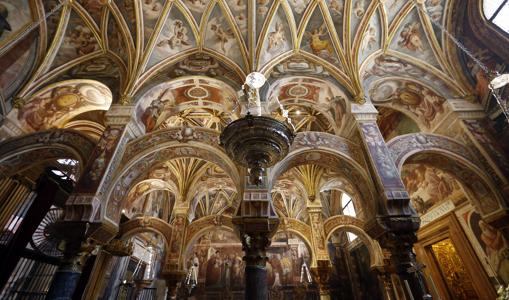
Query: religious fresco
[14, 16]
[151, 9]
[94, 8]
[279, 38]
[175, 37]
[393, 123]
[411, 40]
[488, 242]
[317, 39]
[79, 40]
[429, 186]
[239, 11]
[412, 97]
[56, 105]
[215, 260]
[166, 104]
[220, 37]
[17, 66]
[371, 39]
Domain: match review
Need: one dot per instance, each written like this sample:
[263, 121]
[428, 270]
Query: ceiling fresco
[356, 42]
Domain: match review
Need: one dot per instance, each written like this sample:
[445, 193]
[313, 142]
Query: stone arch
[57, 103]
[329, 151]
[17, 154]
[301, 229]
[159, 146]
[356, 226]
[453, 157]
[159, 102]
[145, 224]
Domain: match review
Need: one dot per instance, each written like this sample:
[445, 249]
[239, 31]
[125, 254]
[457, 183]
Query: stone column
[321, 274]
[257, 222]
[84, 203]
[83, 223]
[76, 252]
[397, 222]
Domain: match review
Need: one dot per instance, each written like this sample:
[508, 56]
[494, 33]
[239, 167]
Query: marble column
[76, 252]
[397, 222]
[255, 245]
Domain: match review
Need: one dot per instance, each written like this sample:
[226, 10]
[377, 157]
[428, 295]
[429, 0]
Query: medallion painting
[420, 101]
[216, 261]
[54, 106]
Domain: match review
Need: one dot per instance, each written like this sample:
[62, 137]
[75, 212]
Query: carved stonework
[18, 153]
[404, 146]
[332, 223]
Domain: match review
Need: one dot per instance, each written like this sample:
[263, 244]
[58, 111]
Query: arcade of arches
[113, 183]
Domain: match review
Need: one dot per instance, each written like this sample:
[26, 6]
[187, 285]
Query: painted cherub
[317, 44]
[178, 36]
[411, 37]
[336, 7]
[276, 38]
[369, 39]
[222, 36]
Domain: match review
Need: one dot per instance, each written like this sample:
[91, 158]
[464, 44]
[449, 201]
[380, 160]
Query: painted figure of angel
[435, 9]
[336, 7]
[222, 36]
[317, 44]
[369, 39]
[358, 8]
[276, 38]
[178, 36]
[299, 5]
[83, 40]
[151, 9]
[411, 37]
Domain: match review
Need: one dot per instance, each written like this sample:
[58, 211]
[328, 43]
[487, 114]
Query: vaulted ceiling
[133, 45]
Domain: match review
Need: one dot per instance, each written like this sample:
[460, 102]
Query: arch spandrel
[160, 146]
[453, 157]
[332, 152]
[356, 226]
[146, 224]
[18, 153]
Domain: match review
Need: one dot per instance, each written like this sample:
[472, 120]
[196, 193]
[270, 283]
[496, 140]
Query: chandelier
[255, 141]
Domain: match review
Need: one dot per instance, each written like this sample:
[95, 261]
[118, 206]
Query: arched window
[497, 12]
[349, 210]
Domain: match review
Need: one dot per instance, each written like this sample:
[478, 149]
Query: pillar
[397, 222]
[321, 274]
[256, 221]
[83, 224]
[76, 251]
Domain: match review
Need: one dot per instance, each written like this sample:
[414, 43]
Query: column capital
[364, 112]
[466, 110]
[119, 114]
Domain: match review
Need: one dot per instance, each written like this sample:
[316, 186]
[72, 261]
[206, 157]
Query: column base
[256, 283]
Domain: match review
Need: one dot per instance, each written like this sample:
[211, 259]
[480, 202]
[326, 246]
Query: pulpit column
[76, 252]
[256, 221]
[397, 221]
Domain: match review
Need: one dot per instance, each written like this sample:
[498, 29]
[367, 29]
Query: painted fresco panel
[216, 259]
[489, 244]
[14, 16]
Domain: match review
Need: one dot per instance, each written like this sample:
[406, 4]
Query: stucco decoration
[17, 154]
[452, 157]
[60, 102]
[142, 154]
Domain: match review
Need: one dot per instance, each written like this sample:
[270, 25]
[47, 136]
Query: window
[348, 210]
[497, 12]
